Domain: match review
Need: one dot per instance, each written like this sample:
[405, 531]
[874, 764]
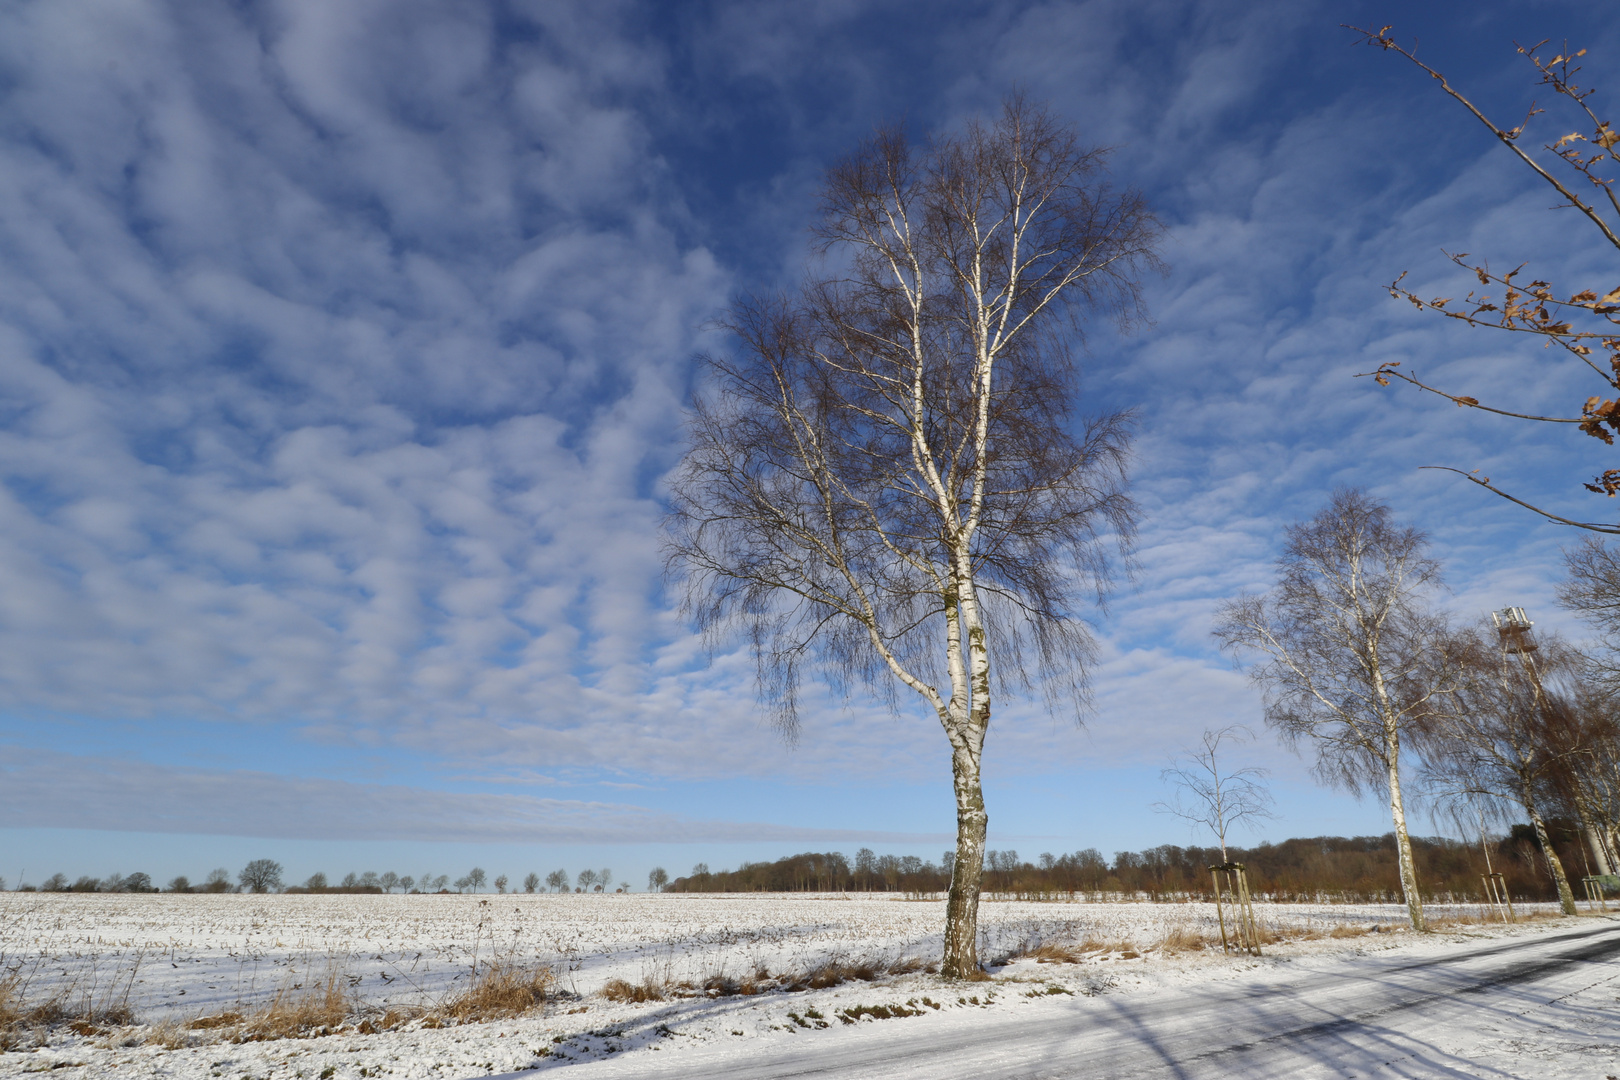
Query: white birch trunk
[967, 720]
[1594, 840]
[1566, 897]
[1403, 846]
[1397, 805]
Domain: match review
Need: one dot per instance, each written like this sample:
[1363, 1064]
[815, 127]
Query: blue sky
[343, 349]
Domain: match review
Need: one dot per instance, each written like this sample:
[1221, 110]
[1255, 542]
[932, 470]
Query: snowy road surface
[1546, 1007]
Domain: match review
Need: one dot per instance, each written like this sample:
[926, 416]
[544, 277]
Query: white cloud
[342, 349]
[44, 789]
[332, 390]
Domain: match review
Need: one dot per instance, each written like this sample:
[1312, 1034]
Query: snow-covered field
[177, 958]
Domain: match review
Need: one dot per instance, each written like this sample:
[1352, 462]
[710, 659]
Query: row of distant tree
[265, 876]
[475, 880]
[1361, 869]
[217, 881]
[260, 875]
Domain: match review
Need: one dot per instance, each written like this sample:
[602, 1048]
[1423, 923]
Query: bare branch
[1485, 482]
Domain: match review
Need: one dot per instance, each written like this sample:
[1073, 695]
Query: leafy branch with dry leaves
[1585, 323]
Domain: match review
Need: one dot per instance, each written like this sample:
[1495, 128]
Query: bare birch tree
[889, 478]
[1591, 590]
[1214, 799]
[1353, 660]
[1581, 737]
[1498, 735]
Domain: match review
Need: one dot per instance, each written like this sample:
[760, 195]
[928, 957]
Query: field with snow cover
[175, 960]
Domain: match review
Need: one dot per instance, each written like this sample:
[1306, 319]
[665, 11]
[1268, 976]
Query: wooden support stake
[1220, 913]
[1245, 930]
[1506, 896]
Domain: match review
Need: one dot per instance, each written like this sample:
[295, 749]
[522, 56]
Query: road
[1543, 1006]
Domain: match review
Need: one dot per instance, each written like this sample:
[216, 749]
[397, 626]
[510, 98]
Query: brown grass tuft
[320, 1008]
[1181, 939]
[906, 965]
[9, 1002]
[1048, 953]
[758, 982]
[503, 989]
[1486, 917]
[388, 1020]
[832, 973]
[632, 993]
[1350, 930]
[170, 1035]
[20, 1020]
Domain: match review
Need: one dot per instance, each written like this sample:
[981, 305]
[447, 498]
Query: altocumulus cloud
[337, 339]
[342, 348]
[115, 794]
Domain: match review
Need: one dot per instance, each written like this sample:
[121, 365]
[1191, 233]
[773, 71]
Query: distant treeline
[265, 876]
[1358, 869]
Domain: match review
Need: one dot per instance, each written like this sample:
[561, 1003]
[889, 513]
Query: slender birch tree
[1500, 735]
[1352, 659]
[889, 477]
[1216, 799]
[1592, 592]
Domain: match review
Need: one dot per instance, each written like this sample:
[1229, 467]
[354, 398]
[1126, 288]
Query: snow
[181, 957]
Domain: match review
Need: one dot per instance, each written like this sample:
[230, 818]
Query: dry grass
[633, 993]
[836, 972]
[1181, 939]
[297, 1012]
[760, 980]
[390, 1019]
[755, 982]
[854, 1013]
[908, 965]
[1485, 916]
[1048, 953]
[13, 1013]
[22, 1021]
[1350, 930]
[171, 1035]
[500, 990]
[503, 989]
[1340, 932]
